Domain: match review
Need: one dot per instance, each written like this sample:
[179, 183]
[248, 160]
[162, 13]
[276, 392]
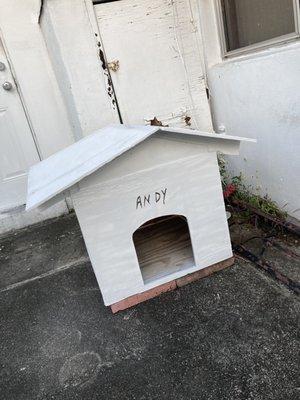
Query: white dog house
[149, 203]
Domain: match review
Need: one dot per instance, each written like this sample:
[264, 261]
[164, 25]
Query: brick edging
[169, 286]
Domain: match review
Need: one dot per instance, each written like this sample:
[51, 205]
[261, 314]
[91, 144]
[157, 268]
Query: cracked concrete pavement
[233, 335]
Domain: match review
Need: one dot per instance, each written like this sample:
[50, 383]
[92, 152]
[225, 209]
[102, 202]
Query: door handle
[7, 86]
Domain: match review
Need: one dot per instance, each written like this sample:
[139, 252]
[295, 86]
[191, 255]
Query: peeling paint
[172, 87]
[41, 11]
[109, 83]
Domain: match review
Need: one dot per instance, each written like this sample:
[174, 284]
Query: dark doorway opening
[163, 247]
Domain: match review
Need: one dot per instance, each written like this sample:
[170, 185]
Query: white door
[17, 147]
[154, 51]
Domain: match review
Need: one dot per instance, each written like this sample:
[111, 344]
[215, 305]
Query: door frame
[89, 5]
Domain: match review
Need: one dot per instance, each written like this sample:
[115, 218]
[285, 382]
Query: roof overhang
[67, 167]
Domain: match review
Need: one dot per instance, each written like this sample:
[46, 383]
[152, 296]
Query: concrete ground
[233, 335]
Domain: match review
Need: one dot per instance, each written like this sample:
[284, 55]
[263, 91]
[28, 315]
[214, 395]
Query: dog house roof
[68, 166]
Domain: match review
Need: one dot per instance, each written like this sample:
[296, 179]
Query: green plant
[235, 189]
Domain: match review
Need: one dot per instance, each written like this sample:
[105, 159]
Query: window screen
[248, 22]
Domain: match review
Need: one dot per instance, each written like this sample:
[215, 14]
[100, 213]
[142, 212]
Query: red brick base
[167, 287]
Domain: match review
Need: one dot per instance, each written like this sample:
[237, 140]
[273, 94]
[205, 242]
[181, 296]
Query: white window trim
[257, 46]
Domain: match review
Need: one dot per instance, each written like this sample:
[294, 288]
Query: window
[251, 24]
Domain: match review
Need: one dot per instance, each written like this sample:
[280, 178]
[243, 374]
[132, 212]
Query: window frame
[279, 40]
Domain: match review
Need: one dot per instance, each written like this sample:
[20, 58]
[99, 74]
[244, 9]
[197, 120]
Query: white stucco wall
[259, 97]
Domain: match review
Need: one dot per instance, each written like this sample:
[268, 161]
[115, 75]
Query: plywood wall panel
[109, 215]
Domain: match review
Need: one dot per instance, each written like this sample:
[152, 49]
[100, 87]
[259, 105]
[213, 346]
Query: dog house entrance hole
[163, 247]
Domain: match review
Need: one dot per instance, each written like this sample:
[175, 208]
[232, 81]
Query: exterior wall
[257, 95]
[29, 60]
[77, 53]
[69, 32]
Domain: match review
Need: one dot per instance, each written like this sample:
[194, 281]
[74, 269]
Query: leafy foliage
[235, 189]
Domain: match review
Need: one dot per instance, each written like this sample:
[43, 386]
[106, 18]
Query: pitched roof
[68, 166]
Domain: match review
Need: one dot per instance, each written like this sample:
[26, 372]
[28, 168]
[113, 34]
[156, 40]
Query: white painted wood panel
[79, 160]
[84, 157]
[108, 218]
[159, 149]
[25, 45]
[159, 48]
[74, 52]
